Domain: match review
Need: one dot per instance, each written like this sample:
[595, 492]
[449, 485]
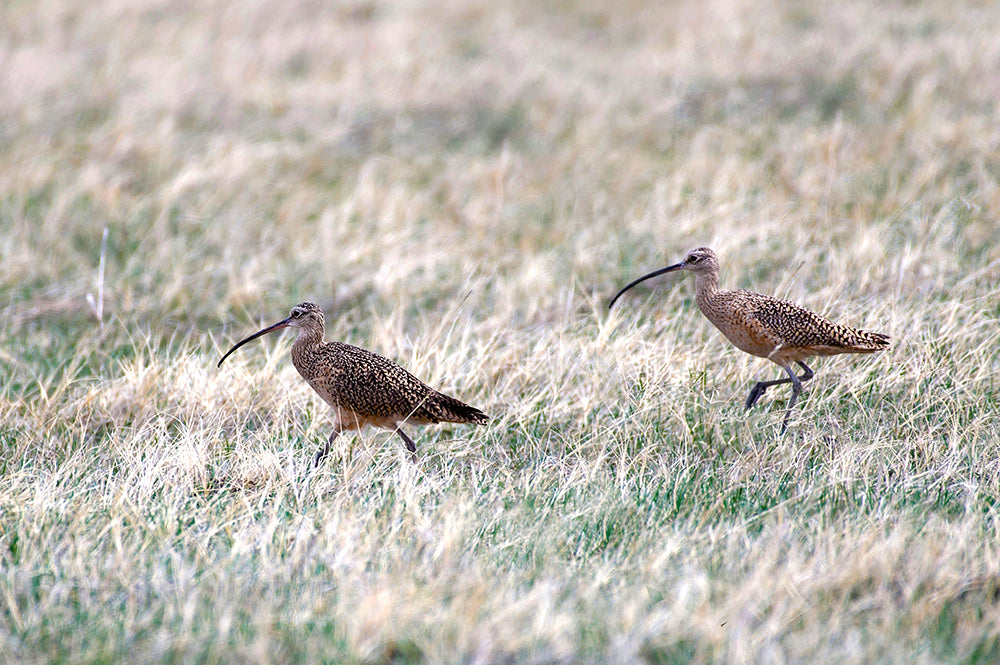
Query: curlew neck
[310, 335]
[706, 286]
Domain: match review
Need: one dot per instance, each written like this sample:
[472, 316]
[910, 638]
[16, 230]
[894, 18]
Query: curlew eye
[296, 313]
[693, 258]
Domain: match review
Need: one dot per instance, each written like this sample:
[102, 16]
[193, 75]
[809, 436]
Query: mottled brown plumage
[363, 387]
[767, 327]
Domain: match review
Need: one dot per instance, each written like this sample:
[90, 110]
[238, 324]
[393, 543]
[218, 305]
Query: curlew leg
[761, 387]
[410, 446]
[796, 389]
[325, 450]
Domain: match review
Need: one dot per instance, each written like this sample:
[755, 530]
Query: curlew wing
[372, 386]
[796, 326]
[360, 381]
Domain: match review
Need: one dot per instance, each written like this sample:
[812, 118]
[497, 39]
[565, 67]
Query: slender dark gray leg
[796, 389]
[325, 450]
[761, 386]
[410, 446]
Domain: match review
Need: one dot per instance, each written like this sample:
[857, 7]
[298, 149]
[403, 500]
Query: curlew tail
[866, 341]
[441, 408]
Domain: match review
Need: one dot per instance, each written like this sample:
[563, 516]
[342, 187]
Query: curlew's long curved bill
[277, 326]
[655, 273]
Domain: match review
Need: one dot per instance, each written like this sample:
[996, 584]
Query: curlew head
[307, 317]
[701, 261]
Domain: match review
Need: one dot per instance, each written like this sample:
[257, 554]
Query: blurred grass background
[461, 186]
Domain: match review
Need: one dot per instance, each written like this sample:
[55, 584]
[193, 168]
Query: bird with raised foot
[767, 327]
[363, 388]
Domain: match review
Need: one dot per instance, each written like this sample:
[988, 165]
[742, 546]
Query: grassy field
[462, 186]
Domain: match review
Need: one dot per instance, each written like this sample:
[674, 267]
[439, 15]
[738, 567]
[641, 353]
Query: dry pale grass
[461, 185]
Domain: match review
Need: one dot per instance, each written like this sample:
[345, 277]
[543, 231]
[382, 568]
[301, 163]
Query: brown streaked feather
[450, 410]
[372, 386]
[761, 326]
[797, 326]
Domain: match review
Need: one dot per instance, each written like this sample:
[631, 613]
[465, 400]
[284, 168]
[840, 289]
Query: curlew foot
[756, 393]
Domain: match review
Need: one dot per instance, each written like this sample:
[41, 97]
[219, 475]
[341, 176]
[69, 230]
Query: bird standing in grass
[363, 388]
[767, 327]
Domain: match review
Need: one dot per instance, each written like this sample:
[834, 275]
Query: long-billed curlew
[363, 387]
[763, 326]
